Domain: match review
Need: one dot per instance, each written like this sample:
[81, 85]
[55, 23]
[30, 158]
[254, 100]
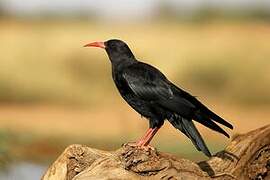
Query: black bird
[153, 96]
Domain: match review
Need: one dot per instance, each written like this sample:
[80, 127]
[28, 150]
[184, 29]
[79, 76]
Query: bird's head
[116, 49]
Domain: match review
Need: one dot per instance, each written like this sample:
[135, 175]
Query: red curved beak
[96, 44]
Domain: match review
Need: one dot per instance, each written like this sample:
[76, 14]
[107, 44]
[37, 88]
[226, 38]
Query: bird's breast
[121, 84]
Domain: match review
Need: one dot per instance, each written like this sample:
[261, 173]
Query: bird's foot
[147, 148]
[131, 144]
[139, 146]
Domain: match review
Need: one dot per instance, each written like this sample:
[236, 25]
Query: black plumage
[153, 96]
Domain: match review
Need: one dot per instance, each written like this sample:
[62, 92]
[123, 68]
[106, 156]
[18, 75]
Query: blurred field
[45, 61]
[48, 129]
[53, 90]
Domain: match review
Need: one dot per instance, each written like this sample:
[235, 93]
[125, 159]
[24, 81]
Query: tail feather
[192, 102]
[189, 129]
[216, 118]
[199, 117]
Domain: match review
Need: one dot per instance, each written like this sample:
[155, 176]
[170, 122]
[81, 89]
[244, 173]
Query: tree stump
[246, 157]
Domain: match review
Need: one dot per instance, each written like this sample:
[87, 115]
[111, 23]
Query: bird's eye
[112, 46]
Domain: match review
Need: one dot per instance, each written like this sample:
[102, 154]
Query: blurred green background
[54, 92]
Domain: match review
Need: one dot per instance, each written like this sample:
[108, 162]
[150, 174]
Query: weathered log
[246, 157]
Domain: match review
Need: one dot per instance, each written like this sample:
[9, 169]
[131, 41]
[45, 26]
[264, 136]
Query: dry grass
[45, 61]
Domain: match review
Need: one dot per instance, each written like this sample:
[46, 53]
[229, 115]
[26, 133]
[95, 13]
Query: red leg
[150, 136]
[147, 137]
[145, 140]
[144, 137]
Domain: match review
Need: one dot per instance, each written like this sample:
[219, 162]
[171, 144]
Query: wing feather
[150, 84]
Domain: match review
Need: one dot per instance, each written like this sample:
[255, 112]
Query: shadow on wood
[246, 157]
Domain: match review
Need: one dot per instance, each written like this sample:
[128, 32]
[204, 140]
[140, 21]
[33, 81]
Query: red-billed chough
[153, 96]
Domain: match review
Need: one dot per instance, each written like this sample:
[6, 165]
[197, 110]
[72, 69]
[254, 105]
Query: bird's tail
[207, 118]
[189, 129]
[205, 113]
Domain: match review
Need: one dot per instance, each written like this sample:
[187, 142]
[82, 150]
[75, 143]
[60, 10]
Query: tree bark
[246, 157]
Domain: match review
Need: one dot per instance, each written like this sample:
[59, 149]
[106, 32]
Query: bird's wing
[150, 84]
[146, 84]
